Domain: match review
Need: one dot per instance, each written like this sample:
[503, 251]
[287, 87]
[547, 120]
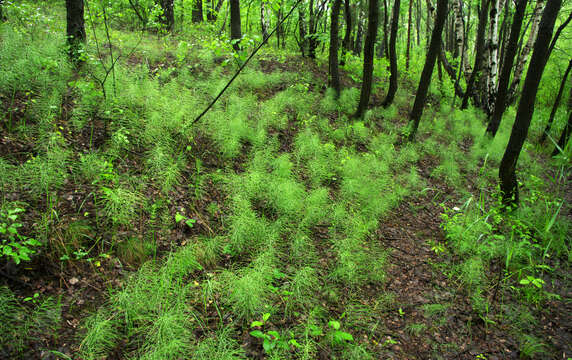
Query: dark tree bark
[168, 17]
[213, 11]
[564, 137]
[393, 56]
[450, 71]
[303, 43]
[480, 50]
[556, 103]
[235, 29]
[312, 42]
[368, 54]
[510, 53]
[507, 169]
[346, 44]
[558, 32]
[430, 60]
[408, 47]
[385, 52]
[197, 13]
[75, 27]
[334, 27]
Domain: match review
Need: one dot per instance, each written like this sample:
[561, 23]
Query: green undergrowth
[261, 217]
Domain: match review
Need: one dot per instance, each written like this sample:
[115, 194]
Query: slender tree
[168, 17]
[479, 52]
[408, 47]
[430, 60]
[75, 27]
[213, 10]
[303, 43]
[368, 54]
[346, 43]
[502, 93]
[523, 57]
[334, 75]
[2, 16]
[565, 137]
[492, 68]
[556, 103]
[507, 169]
[393, 56]
[235, 26]
[264, 19]
[197, 13]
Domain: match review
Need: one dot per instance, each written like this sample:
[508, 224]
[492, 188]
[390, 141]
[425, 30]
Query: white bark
[493, 53]
[523, 58]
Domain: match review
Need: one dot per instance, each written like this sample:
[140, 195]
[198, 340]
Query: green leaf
[334, 324]
[274, 334]
[256, 323]
[257, 334]
[314, 330]
[265, 317]
[341, 336]
[190, 222]
[179, 217]
[268, 345]
[294, 343]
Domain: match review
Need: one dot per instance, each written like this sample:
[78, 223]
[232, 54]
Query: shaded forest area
[285, 179]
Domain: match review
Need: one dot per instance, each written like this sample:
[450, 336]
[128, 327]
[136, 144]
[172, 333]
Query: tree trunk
[346, 44]
[235, 30]
[425, 79]
[2, 16]
[383, 50]
[507, 169]
[334, 75]
[197, 13]
[312, 43]
[480, 49]
[565, 135]
[75, 27]
[500, 103]
[302, 30]
[393, 56]
[493, 56]
[557, 102]
[359, 33]
[264, 19]
[368, 53]
[212, 14]
[168, 17]
[459, 31]
[523, 57]
[418, 21]
[430, 10]
[408, 47]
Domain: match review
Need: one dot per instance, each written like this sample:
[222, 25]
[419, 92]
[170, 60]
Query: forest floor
[415, 308]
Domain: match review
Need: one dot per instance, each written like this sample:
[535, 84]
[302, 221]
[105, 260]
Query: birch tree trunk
[480, 49]
[493, 56]
[264, 19]
[459, 29]
[523, 57]
[500, 102]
